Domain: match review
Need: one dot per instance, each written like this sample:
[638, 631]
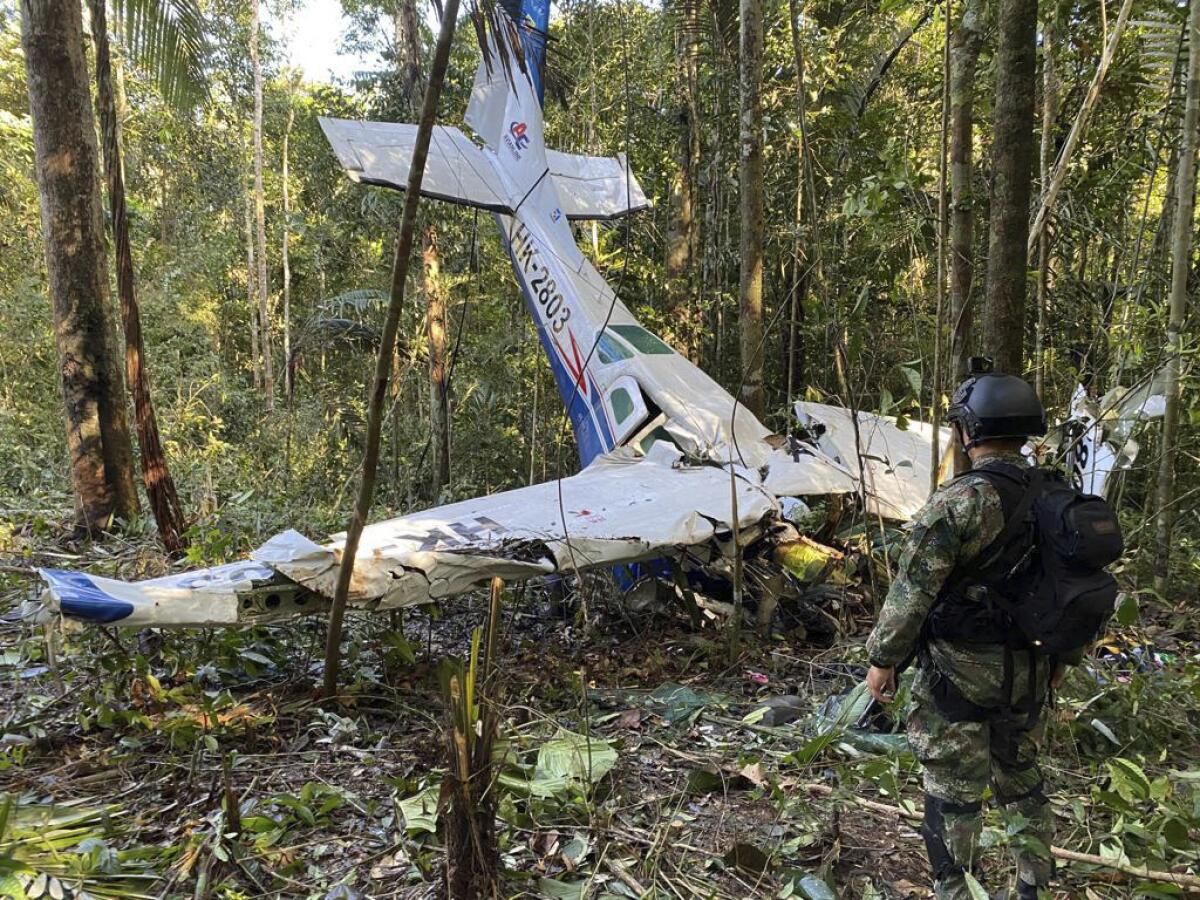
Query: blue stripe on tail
[533, 18]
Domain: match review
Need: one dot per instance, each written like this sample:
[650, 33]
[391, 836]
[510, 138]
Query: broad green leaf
[1128, 779]
[681, 702]
[421, 810]
[10, 886]
[562, 890]
[974, 888]
[1176, 832]
[1127, 608]
[571, 755]
[564, 761]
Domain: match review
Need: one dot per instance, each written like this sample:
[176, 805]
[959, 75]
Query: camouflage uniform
[999, 744]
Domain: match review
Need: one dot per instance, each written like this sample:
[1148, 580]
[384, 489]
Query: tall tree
[156, 475]
[412, 85]
[964, 56]
[803, 267]
[1181, 259]
[260, 214]
[1012, 179]
[750, 187]
[683, 234]
[1045, 161]
[286, 239]
[251, 280]
[943, 228]
[439, 400]
[387, 344]
[1051, 188]
[64, 140]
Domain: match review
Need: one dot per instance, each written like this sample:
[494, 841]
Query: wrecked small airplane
[672, 468]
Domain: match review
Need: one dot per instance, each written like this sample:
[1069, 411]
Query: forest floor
[126, 756]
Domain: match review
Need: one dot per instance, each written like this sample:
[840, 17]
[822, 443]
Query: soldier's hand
[881, 683]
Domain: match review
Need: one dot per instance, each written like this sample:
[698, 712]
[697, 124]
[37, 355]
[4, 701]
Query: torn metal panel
[799, 472]
[895, 463]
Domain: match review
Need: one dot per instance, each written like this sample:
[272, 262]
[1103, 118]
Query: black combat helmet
[992, 405]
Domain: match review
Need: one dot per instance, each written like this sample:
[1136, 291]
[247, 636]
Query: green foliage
[169, 40]
[50, 851]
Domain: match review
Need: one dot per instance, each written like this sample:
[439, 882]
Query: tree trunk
[260, 215]
[964, 55]
[1181, 250]
[252, 293]
[1012, 176]
[935, 393]
[156, 476]
[750, 186]
[801, 264]
[64, 141]
[412, 84]
[439, 401]
[387, 341]
[406, 30]
[289, 387]
[1046, 160]
[683, 233]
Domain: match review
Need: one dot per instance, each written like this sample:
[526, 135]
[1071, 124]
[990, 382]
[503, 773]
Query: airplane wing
[623, 508]
[379, 153]
[895, 462]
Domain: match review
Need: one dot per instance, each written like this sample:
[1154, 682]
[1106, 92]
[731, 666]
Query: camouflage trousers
[961, 759]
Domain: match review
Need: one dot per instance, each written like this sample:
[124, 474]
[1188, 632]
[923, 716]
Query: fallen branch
[1188, 881]
[626, 878]
[1050, 191]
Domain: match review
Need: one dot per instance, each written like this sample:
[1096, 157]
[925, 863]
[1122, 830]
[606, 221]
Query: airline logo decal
[516, 140]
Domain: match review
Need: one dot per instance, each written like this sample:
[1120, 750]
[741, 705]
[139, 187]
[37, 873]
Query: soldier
[977, 697]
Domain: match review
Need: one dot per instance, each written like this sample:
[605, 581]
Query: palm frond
[358, 301]
[1162, 33]
[167, 39]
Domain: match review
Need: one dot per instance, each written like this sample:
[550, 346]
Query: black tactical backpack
[1041, 584]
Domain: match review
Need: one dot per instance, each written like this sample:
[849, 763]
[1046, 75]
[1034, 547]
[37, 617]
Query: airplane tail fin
[532, 17]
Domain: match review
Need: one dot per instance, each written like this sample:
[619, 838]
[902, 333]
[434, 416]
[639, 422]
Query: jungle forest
[461, 449]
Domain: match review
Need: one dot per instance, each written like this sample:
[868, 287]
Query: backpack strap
[1015, 519]
[1018, 490]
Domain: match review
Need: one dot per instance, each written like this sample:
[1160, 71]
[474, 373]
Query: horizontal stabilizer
[595, 187]
[379, 153]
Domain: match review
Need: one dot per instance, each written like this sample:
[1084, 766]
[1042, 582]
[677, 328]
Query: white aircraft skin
[614, 380]
[669, 460]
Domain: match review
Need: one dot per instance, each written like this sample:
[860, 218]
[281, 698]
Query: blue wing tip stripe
[81, 598]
